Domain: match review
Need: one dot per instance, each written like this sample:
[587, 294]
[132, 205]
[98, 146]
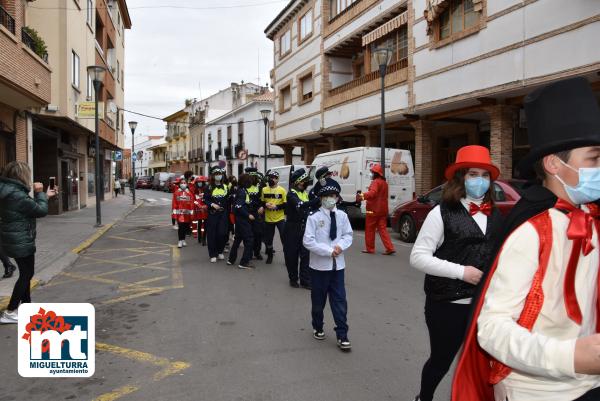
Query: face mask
[322, 181]
[218, 177]
[183, 186]
[301, 186]
[588, 188]
[329, 202]
[477, 187]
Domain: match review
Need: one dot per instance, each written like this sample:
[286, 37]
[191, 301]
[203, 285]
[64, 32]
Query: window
[305, 25]
[499, 194]
[90, 12]
[336, 7]
[459, 16]
[90, 87]
[285, 98]
[397, 41]
[75, 70]
[285, 43]
[306, 88]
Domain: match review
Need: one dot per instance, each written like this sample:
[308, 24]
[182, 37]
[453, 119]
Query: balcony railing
[168, 156]
[6, 20]
[218, 152]
[228, 152]
[368, 78]
[238, 148]
[29, 41]
[199, 154]
[209, 156]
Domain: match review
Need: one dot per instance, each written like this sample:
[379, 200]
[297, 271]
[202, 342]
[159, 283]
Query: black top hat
[561, 116]
[331, 187]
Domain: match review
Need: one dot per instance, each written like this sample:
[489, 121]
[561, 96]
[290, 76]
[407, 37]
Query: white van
[351, 169]
[285, 172]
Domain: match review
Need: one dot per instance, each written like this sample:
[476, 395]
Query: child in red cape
[533, 335]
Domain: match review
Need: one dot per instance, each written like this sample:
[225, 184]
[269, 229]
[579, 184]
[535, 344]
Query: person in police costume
[296, 210]
[273, 198]
[217, 224]
[243, 219]
[256, 210]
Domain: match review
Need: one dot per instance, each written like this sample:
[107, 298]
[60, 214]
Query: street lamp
[96, 73]
[265, 116]
[383, 56]
[132, 127]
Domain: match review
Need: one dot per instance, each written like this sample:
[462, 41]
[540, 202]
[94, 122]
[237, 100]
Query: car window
[499, 195]
[435, 195]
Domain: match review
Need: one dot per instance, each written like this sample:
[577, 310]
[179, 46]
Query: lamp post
[96, 73]
[265, 116]
[132, 127]
[383, 56]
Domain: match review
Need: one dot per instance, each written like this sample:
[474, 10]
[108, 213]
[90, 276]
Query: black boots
[269, 256]
[9, 270]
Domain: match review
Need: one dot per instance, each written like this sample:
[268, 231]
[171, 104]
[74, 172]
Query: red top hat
[376, 168]
[472, 156]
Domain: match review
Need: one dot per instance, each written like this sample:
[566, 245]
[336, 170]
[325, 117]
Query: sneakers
[184, 243]
[180, 244]
[389, 252]
[9, 317]
[8, 271]
[245, 266]
[229, 262]
[213, 260]
[221, 256]
[318, 334]
[344, 344]
[175, 227]
[366, 251]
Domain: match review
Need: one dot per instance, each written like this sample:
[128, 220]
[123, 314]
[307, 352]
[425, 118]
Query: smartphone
[358, 192]
[52, 182]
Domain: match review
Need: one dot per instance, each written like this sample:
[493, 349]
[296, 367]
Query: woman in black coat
[18, 214]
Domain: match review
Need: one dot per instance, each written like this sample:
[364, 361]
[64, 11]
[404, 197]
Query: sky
[181, 49]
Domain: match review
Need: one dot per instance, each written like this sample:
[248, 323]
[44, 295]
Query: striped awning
[386, 28]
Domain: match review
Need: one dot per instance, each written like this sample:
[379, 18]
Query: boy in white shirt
[327, 235]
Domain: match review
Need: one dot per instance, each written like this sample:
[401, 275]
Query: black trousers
[5, 260]
[243, 233]
[592, 395]
[216, 233]
[270, 233]
[182, 230]
[202, 231]
[447, 324]
[294, 251]
[22, 290]
[257, 234]
[329, 283]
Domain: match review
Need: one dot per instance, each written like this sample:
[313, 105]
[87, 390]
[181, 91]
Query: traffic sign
[243, 154]
[134, 157]
[118, 156]
[140, 154]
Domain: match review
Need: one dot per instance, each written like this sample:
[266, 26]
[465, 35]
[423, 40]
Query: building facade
[25, 83]
[83, 34]
[178, 132]
[458, 73]
[144, 154]
[158, 161]
[236, 139]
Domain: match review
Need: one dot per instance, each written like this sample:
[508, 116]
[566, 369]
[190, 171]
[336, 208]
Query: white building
[142, 148]
[240, 132]
[459, 72]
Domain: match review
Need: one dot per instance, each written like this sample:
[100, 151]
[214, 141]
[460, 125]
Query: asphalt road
[171, 326]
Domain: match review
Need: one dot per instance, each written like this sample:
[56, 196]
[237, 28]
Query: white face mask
[322, 181]
[183, 187]
[218, 177]
[329, 202]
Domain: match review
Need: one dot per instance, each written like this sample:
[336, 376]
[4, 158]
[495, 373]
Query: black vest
[464, 244]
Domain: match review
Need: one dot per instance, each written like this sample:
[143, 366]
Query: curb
[70, 257]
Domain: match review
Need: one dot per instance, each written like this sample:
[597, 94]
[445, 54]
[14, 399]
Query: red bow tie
[485, 208]
[580, 231]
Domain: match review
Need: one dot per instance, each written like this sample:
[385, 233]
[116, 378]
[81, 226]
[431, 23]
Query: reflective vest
[278, 197]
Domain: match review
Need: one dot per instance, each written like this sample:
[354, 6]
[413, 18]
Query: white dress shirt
[543, 360]
[431, 237]
[319, 244]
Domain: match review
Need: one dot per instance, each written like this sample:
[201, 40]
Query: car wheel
[407, 229]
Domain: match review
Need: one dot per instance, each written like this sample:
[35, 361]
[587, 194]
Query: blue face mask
[588, 188]
[477, 187]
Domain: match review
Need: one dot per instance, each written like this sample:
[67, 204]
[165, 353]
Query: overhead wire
[189, 124]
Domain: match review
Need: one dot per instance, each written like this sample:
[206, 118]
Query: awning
[386, 28]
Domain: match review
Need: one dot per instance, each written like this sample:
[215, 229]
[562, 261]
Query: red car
[408, 218]
[143, 182]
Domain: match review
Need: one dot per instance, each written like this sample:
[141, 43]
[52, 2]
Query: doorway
[69, 184]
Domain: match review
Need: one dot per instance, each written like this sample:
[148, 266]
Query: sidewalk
[60, 238]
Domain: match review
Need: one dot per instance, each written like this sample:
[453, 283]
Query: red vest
[183, 206]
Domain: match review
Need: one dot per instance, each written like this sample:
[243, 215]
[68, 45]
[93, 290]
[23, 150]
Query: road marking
[88, 242]
[139, 240]
[133, 296]
[4, 300]
[176, 273]
[168, 368]
[396, 242]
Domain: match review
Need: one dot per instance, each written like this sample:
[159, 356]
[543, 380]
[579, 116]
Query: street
[172, 326]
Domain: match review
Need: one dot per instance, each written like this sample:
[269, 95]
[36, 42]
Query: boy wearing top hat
[534, 333]
[327, 236]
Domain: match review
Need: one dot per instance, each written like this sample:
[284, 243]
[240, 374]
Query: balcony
[208, 157]
[218, 152]
[168, 156]
[31, 39]
[6, 20]
[238, 148]
[169, 137]
[367, 84]
[199, 155]
[228, 153]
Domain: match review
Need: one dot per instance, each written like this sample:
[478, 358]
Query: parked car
[159, 181]
[143, 182]
[408, 218]
[170, 184]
